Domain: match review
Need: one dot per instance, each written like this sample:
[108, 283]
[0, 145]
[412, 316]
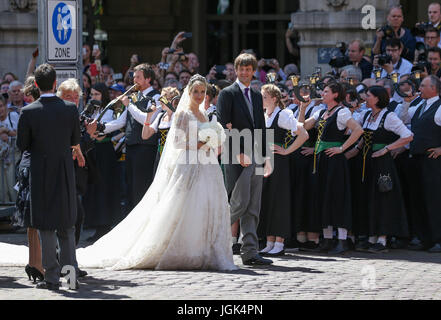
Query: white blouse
[314, 109]
[286, 119]
[407, 116]
[156, 125]
[343, 116]
[391, 123]
[108, 116]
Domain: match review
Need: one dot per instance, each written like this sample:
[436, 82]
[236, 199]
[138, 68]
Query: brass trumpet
[116, 100]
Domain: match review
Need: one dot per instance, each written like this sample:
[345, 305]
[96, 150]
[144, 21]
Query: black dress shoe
[363, 246]
[310, 246]
[257, 260]
[48, 286]
[326, 245]
[277, 254]
[81, 273]
[378, 248]
[34, 273]
[341, 247]
[416, 245]
[436, 248]
[236, 248]
[74, 287]
[397, 243]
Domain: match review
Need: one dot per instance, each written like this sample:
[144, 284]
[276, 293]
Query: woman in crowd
[163, 121]
[304, 226]
[275, 214]
[101, 202]
[333, 190]
[87, 84]
[380, 209]
[211, 101]
[22, 215]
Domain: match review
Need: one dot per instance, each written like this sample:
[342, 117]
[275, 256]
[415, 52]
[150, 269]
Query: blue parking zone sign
[62, 31]
[62, 23]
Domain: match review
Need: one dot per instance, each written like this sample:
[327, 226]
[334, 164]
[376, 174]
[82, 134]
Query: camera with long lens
[384, 59]
[420, 29]
[339, 62]
[87, 113]
[421, 64]
[388, 31]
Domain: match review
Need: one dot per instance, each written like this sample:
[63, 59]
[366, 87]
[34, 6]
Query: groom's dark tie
[246, 94]
[250, 106]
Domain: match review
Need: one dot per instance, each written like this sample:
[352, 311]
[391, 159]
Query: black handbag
[384, 183]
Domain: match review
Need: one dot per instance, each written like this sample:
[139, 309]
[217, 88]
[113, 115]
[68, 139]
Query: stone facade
[324, 23]
[18, 35]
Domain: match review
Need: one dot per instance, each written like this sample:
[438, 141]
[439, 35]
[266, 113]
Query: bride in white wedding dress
[183, 221]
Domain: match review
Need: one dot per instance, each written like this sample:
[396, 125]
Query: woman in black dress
[333, 190]
[22, 214]
[275, 213]
[306, 229]
[101, 201]
[379, 213]
[161, 125]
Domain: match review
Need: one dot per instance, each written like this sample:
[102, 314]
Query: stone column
[18, 35]
[324, 23]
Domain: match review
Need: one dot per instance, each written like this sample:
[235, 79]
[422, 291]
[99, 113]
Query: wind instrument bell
[377, 73]
[295, 80]
[394, 77]
[271, 78]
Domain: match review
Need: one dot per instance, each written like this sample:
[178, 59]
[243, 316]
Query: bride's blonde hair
[194, 80]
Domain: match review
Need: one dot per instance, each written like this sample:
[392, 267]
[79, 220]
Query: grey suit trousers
[245, 203]
[66, 240]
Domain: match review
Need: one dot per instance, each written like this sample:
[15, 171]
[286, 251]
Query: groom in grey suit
[242, 107]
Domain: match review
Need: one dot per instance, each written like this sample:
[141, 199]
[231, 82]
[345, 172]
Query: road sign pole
[42, 32]
[48, 32]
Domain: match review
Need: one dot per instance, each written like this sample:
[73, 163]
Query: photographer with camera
[394, 29]
[431, 39]
[392, 61]
[356, 53]
[434, 15]
[434, 61]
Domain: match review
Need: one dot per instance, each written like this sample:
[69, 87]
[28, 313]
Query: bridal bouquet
[212, 134]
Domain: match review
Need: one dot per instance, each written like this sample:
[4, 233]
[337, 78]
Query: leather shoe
[75, 287]
[48, 286]
[341, 247]
[277, 254]
[326, 245]
[436, 248]
[81, 273]
[378, 248]
[415, 245]
[257, 260]
[310, 246]
[363, 246]
[397, 243]
[236, 248]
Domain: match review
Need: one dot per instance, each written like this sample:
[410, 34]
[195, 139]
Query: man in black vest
[140, 154]
[425, 150]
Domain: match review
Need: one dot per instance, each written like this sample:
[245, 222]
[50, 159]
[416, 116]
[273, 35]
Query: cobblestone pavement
[398, 274]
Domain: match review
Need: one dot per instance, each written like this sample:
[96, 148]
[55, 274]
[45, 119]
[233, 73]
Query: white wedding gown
[182, 222]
